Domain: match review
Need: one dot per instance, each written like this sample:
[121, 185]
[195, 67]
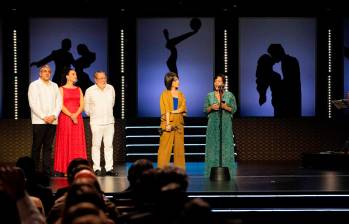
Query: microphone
[221, 88]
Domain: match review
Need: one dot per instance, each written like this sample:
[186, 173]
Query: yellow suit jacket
[166, 106]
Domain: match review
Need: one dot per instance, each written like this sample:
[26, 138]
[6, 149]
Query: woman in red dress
[70, 135]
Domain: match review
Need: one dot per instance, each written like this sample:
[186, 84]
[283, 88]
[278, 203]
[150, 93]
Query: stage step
[283, 207]
[142, 140]
[276, 201]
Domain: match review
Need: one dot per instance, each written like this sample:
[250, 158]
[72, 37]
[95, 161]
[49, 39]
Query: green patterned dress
[212, 134]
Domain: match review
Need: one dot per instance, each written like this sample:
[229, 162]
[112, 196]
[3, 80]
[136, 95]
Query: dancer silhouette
[286, 92]
[267, 77]
[85, 61]
[195, 25]
[62, 58]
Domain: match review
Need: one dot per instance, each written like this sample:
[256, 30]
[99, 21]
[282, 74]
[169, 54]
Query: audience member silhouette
[160, 197]
[134, 174]
[8, 209]
[286, 92]
[81, 173]
[13, 185]
[32, 185]
[195, 25]
[85, 61]
[197, 211]
[85, 203]
[74, 166]
[62, 58]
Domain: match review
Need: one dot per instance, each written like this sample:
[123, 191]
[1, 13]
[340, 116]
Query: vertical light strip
[122, 71]
[15, 86]
[226, 59]
[329, 84]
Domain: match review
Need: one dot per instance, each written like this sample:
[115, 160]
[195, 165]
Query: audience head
[85, 212]
[73, 165]
[176, 175]
[156, 183]
[85, 176]
[27, 164]
[136, 169]
[84, 173]
[197, 211]
[84, 191]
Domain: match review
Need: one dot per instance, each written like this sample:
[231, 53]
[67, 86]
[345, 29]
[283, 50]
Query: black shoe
[98, 173]
[111, 173]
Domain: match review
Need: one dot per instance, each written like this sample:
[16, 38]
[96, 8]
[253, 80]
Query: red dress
[70, 137]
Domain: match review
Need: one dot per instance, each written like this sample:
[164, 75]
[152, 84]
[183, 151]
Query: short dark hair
[219, 75]
[27, 164]
[137, 169]
[169, 77]
[73, 165]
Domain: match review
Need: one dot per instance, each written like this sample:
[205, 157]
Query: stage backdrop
[297, 36]
[194, 46]
[80, 43]
[346, 57]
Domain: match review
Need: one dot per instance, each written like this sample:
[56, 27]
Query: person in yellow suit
[173, 108]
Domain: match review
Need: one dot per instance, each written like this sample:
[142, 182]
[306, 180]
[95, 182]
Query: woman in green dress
[212, 110]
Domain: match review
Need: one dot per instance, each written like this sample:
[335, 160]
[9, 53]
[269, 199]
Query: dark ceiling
[110, 7]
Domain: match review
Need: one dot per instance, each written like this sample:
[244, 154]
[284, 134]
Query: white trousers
[105, 133]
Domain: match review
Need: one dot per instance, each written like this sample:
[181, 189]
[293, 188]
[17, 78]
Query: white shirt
[99, 104]
[44, 100]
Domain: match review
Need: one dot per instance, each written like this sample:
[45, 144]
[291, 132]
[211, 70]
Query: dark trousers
[43, 135]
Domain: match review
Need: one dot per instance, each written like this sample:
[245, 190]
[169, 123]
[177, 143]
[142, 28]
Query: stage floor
[278, 178]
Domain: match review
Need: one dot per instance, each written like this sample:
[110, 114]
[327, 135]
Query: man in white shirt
[99, 103]
[45, 103]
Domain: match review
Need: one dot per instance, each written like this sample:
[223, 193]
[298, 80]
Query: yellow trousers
[169, 140]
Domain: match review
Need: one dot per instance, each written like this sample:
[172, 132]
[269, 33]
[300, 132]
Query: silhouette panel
[171, 43]
[286, 92]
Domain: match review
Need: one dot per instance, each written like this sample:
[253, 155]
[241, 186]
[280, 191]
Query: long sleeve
[207, 104]
[33, 99]
[113, 95]
[232, 102]
[59, 102]
[183, 104]
[164, 104]
[87, 102]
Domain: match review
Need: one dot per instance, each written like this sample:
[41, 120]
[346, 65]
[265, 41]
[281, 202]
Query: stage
[279, 178]
[270, 186]
[292, 168]
[261, 191]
